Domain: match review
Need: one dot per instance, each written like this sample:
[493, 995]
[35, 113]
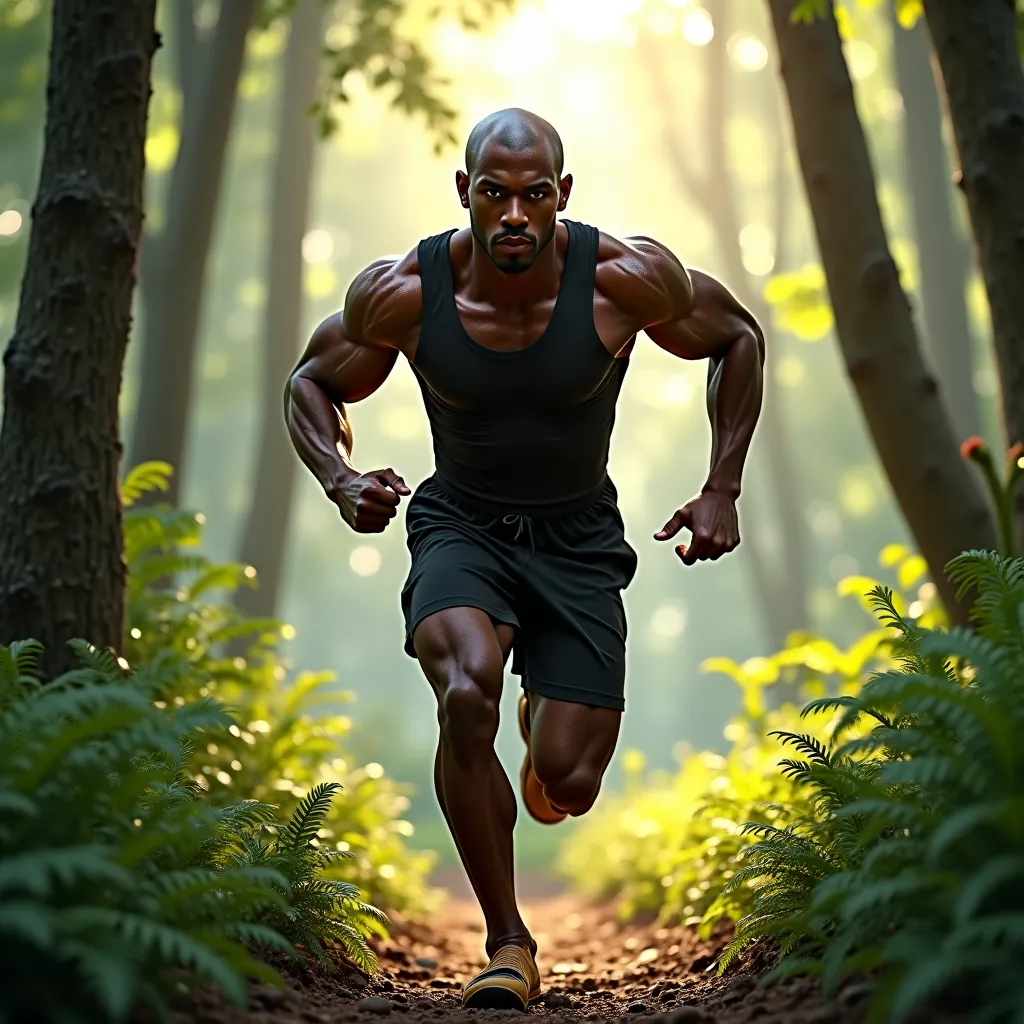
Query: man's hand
[711, 518]
[369, 501]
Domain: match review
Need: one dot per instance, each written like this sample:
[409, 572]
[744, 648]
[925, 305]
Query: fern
[929, 890]
[291, 732]
[114, 867]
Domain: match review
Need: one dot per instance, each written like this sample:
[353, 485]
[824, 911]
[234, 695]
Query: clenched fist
[369, 501]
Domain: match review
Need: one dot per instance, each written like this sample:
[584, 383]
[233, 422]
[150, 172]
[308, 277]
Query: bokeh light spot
[698, 28]
[365, 561]
[10, 222]
[317, 246]
[747, 52]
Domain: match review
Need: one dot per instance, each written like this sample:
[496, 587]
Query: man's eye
[492, 193]
[537, 195]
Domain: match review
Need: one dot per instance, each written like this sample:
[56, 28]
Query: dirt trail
[592, 968]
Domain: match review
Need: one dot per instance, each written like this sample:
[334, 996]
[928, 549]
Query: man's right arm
[348, 358]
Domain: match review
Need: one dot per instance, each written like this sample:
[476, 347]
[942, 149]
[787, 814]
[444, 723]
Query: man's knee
[466, 674]
[468, 713]
[574, 791]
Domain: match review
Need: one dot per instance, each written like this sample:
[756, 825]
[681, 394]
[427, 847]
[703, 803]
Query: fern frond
[144, 479]
[308, 817]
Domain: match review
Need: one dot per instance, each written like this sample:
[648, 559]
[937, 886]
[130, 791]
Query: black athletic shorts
[557, 581]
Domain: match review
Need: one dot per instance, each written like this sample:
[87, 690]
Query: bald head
[514, 129]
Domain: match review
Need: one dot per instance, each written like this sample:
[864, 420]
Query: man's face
[513, 197]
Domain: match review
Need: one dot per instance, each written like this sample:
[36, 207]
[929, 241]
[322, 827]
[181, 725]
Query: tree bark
[266, 528]
[62, 572]
[976, 47]
[173, 282]
[941, 500]
[782, 593]
[943, 255]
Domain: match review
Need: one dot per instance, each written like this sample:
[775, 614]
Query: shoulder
[643, 278]
[384, 303]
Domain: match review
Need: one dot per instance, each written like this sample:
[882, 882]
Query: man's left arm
[700, 319]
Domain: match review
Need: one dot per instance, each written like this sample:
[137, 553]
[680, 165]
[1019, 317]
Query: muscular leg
[462, 653]
[570, 746]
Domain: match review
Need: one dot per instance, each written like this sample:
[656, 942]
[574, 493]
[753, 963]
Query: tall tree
[174, 261]
[976, 47]
[943, 255]
[61, 566]
[266, 527]
[781, 588]
[940, 499]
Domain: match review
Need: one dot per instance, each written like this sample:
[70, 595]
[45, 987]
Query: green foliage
[369, 37]
[669, 845]
[910, 859]
[290, 734]
[806, 11]
[115, 873]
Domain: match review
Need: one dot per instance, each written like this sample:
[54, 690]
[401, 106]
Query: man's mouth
[514, 244]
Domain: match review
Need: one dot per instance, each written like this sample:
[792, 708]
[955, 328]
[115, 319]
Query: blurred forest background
[284, 153]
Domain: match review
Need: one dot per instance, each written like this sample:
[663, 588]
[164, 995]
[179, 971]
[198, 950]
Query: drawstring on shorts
[523, 524]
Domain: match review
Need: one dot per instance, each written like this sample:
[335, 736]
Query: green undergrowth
[170, 815]
[120, 882]
[907, 855]
[290, 729]
[668, 843]
[878, 830]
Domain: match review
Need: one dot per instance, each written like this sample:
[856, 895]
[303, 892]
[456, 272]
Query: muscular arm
[348, 358]
[693, 316]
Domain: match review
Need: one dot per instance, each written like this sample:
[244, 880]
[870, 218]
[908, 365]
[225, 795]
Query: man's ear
[564, 188]
[462, 187]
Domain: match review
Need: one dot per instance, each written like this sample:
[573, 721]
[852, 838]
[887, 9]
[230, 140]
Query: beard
[511, 263]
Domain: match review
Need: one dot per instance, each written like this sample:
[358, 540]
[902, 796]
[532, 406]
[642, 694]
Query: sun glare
[698, 28]
[747, 52]
[594, 21]
[524, 44]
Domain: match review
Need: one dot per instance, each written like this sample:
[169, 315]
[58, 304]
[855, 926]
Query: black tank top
[524, 431]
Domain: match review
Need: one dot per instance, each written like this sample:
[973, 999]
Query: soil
[593, 968]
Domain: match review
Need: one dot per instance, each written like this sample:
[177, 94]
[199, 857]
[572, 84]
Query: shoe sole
[496, 998]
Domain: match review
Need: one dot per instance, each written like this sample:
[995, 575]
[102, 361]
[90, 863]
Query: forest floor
[593, 968]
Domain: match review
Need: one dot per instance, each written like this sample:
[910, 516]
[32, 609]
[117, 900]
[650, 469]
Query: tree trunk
[173, 279]
[976, 46]
[940, 498]
[266, 528]
[62, 572]
[943, 255]
[782, 593]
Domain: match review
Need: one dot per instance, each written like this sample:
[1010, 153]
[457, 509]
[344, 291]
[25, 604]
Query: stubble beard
[516, 264]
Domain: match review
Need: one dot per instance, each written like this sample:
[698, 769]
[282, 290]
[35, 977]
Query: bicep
[345, 368]
[715, 321]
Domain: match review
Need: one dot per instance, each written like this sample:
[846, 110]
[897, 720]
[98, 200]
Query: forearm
[320, 432]
[735, 387]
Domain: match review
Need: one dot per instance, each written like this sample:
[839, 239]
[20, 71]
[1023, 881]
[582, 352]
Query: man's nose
[515, 215]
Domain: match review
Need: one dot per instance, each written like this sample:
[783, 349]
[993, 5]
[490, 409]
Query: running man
[519, 330]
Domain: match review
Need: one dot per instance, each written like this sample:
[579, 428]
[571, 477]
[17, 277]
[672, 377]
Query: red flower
[1014, 453]
[972, 446]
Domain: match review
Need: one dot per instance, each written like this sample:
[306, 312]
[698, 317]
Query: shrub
[669, 844]
[290, 734]
[911, 860]
[115, 870]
